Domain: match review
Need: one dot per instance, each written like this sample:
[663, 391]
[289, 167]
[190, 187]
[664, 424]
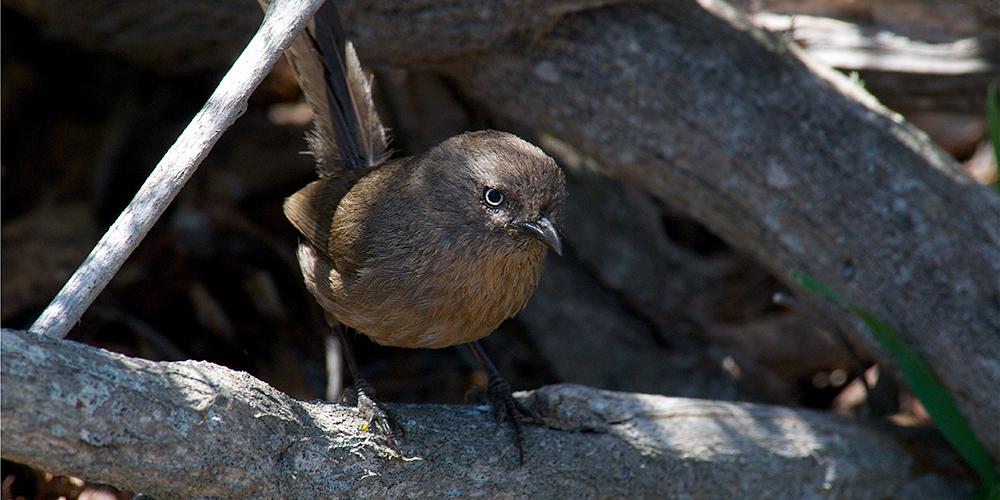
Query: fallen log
[195, 429]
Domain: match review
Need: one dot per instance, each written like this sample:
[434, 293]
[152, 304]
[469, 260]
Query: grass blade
[993, 119]
[926, 386]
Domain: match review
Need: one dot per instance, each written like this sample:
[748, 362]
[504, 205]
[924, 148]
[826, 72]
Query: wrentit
[427, 251]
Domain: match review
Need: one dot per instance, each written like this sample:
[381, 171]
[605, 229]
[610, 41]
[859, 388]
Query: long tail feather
[347, 132]
[372, 135]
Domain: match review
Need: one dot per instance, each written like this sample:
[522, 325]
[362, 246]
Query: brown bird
[427, 251]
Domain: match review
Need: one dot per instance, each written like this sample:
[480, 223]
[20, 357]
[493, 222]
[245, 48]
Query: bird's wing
[347, 132]
[312, 208]
[336, 227]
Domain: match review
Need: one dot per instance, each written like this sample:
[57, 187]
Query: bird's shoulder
[311, 209]
[341, 215]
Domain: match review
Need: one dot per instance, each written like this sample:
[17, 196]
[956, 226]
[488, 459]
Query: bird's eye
[493, 197]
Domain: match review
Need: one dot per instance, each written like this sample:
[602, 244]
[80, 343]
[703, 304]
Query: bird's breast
[435, 302]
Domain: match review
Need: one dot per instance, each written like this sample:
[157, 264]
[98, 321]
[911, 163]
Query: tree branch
[174, 36]
[784, 159]
[186, 429]
[282, 24]
[914, 70]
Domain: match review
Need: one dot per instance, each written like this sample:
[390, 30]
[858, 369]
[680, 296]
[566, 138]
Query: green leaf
[993, 118]
[926, 386]
[810, 283]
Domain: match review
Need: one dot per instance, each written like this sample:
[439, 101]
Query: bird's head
[504, 190]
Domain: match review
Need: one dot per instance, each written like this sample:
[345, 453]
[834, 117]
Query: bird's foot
[506, 408]
[377, 418]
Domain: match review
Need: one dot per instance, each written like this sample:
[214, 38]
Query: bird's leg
[505, 407]
[377, 417]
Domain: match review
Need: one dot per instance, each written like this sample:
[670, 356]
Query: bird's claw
[507, 408]
[377, 418]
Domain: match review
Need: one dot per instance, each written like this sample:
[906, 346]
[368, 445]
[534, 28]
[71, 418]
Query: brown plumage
[428, 251]
[412, 255]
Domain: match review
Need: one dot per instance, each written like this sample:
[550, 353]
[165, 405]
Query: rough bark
[788, 162]
[194, 429]
[174, 36]
[915, 70]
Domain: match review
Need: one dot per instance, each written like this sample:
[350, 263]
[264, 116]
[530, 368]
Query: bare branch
[785, 159]
[186, 429]
[185, 35]
[916, 69]
[282, 24]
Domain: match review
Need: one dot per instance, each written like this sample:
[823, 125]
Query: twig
[282, 23]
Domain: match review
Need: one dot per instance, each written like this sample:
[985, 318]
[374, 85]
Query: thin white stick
[282, 23]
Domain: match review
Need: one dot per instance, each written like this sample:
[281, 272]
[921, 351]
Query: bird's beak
[544, 231]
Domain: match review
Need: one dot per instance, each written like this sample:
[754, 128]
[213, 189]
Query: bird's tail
[347, 132]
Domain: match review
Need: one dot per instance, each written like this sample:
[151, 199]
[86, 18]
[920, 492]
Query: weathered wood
[936, 70]
[181, 36]
[281, 25]
[785, 159]
[194, 429]
[854, 46]
[914, 70]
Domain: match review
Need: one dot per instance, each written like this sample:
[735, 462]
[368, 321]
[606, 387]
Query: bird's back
[383, 263]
